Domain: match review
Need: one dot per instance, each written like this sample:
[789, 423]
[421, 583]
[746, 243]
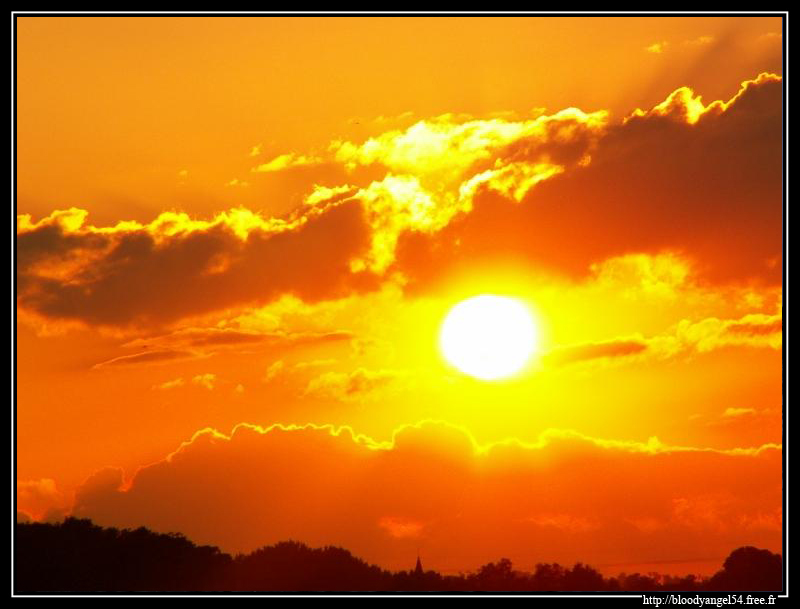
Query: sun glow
[489, 337]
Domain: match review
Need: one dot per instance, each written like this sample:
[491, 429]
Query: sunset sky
[238, 240]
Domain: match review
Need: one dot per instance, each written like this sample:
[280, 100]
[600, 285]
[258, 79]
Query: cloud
[215, 338]
[317, 363]
[105, 481]
[177, 267]
[657, 47]
[166, 385]
[443, 149]
[52, 247]
[686, 338]
[37, 489]
[702, 180]
[280, 368]
[565, 497]
[589, 351]
[323, 194]
[772, 36]
[663, 274]
[274, 370]
[37, 498]
[699, 41]
[684, 104]
[401, 528]
[739, 417]
[434, 168]
[206, 380]
[738, 412]
[285, 161]
[350, 385]
[559, 192]
[564, 522]
[754, 330]
[397, 204]
[148, 357]
[755, 325]
[200, 337]
[200, 342]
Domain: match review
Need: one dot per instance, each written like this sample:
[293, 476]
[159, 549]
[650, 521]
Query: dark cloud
[50, 242]
[145, 279]
[712, 190]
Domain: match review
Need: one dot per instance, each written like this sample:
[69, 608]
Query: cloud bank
[559, 192]
[566, 497]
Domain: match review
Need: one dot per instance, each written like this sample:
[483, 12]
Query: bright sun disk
[488, 337]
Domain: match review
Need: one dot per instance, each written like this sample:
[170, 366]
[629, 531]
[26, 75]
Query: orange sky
[237, 239]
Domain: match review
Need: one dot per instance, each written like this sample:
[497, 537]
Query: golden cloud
[687, 338]
[352, 385]
[285, 161]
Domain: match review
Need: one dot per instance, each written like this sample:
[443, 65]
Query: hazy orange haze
[237, 239]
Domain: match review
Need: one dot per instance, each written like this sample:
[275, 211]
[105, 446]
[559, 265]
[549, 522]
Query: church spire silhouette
[418, 568]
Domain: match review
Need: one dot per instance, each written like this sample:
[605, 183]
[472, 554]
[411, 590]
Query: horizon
[608, 570]
[756, 566]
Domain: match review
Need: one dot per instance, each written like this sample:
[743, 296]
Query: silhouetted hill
[78, 556]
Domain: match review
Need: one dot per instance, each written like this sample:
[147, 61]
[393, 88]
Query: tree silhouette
[747, 569]
[78, 556]
[549, 577]
[583, 577]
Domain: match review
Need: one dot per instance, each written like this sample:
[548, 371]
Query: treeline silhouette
[78, 556]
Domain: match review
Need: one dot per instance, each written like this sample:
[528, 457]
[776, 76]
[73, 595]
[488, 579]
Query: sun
[489, 337]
